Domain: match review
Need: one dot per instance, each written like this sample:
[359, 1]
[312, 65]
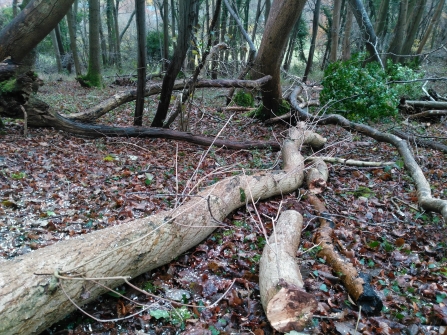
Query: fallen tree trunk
[356, 284]
[286, 304]
[123, 97]
[31, 299]
[427, 104]
[428, 114]
[425, 199]
[424, 143]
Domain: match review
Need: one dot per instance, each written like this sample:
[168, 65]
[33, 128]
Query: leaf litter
[54, 186]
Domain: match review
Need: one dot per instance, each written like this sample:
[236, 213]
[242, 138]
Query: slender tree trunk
[117, 36]
[381, 20]
[433, 21]
[165, 32]
[93, 76]
[414, 17]
[257, 16]
[399, 32]
[104, 48]
[72, 33]
[110, 32]
[366, 28]
[268, 5]
[56, 51]
[313, 40]
[173, 21]
[335, 30]
[346, 53]
[140, 7]
[188, 10]
[14, 8]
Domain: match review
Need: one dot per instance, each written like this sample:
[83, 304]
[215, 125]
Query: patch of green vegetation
[244, 99]
[362, 90]
[363, 191]
[18, 175]
[8, 85]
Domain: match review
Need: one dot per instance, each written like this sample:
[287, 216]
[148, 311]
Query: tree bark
[366, 28]
[71, 22]
[188, 10]
[56, 51]
[30, 26]
[335, 30]
[93, 77]
[396, 45]
[281, 20]
[140, 7]
[313, 42]
[346, 53]
[433, 21]
[31, 298]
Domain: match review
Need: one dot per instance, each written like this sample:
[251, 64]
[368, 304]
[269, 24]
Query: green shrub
[361, 91]
[154, 40]
[244, 99]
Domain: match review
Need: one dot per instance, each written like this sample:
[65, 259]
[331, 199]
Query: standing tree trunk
[72, 33]
[165, 33]
[433, 21]
[282, 18]
[335, 30]
[93, 77]
[415, 11]
[399, 32]
[366, 28]
[188, 10]
[346, 53]
[313, 40]
[56, 51]
[30, 26]
[140, 7]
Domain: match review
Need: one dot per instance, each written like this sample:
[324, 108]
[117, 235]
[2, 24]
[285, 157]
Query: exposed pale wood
[29, 303]
[356, 285]
[287, 305]
[352, 162]
[317, 176]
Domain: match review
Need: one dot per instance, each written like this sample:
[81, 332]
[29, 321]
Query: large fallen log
[357, 285]
[286, 304]
[31, 299]
[124, 97]
[425, 199]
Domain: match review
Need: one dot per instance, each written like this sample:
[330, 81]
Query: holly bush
[360, 91]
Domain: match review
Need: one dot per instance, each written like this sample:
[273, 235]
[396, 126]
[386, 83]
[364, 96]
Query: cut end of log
[291, 309]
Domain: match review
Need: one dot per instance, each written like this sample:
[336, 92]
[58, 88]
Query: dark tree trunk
[188, 12]
[140, 7]
[72, 33]
[313, 41]
[30, 26]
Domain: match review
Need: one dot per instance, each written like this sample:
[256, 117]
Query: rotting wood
[357, 285]
[427, 104]
[29, 303]
[286, 303]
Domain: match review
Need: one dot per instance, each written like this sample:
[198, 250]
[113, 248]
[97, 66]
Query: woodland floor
[54, 186]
